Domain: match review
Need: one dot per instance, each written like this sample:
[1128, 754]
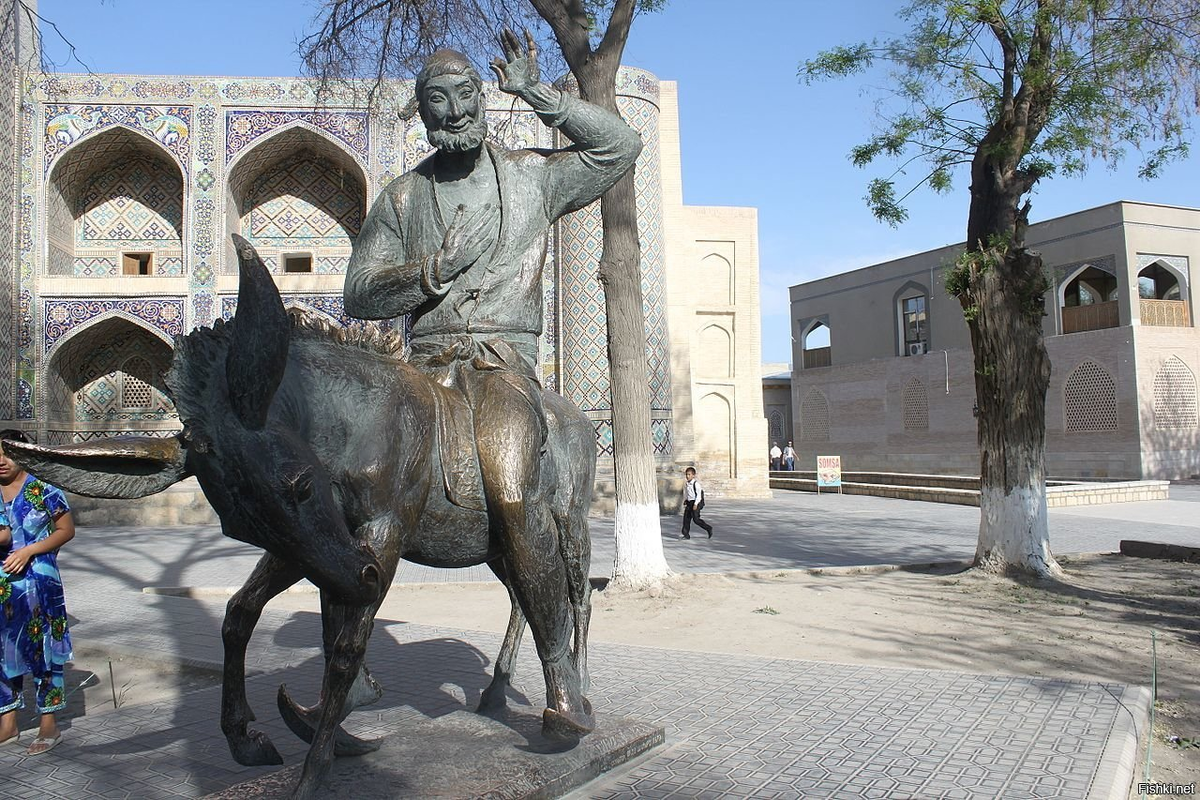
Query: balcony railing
[817, 357]
[1168, 313]
[1092, 317]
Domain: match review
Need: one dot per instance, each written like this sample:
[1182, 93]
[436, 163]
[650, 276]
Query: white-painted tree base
[640, 562]
[1013, 533]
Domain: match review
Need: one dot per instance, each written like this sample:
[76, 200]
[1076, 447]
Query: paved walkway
[736, 725]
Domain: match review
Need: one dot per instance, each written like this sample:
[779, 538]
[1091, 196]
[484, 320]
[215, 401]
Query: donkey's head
[244, 441]
[250, 452]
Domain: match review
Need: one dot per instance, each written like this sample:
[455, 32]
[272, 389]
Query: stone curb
[1117, 767]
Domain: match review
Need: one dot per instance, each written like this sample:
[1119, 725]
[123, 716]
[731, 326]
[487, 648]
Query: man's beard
[460, 141]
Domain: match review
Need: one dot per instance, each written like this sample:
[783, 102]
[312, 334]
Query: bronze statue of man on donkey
[339, 457]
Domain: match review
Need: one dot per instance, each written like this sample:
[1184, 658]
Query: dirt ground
[1095, 624]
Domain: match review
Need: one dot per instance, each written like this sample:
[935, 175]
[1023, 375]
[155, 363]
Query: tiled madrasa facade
[125, 190]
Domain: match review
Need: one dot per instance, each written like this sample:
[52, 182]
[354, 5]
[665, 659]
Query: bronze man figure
[459, 242]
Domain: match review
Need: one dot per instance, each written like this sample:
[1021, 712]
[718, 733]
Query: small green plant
[766, 610]
[1185, 742]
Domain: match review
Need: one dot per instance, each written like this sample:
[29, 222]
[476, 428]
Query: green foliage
[1036, 87]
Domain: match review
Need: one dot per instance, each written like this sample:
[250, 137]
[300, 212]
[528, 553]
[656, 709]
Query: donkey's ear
[259, 343]
[122, 467]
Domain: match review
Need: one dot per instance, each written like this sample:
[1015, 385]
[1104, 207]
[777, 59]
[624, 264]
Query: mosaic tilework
[138, 199]
[243, 128]
[68, 123]
[389, 155]
[329, 305]
[120, 397]
[584, 333]
[133, 204]
[304, 199]
[62, 316]
[25, 380]
[604, 437]
[207, 168]
[1179, 263]
[60, 437]
[79, 124]
[1104, 264]
[660, 436]
[9, 172]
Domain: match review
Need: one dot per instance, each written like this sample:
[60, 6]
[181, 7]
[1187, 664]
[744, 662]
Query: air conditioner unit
[916, 348]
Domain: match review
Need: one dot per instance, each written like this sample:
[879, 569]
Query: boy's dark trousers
[692, 513]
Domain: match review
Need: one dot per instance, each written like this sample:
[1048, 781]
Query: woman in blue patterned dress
[33, 615]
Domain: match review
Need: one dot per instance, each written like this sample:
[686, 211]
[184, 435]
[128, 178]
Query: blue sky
[752, 134]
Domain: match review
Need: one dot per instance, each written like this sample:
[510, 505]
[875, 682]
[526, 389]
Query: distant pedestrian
[776, 455]
[693, 501]
[789, 458]
[33, 616]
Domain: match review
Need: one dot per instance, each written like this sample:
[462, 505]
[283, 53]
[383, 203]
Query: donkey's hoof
[303, 722]
[254, 750]
[493, 700]
[567, 724]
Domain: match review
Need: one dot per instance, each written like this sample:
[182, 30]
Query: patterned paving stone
[740, 727]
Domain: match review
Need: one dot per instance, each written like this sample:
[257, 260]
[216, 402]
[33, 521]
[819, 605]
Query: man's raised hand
[518, 71]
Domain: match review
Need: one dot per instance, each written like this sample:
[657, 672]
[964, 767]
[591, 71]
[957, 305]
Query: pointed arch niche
[714, 435]
[716, 279]
[1162, 295]
[817, 345]
[1088, 300]
[115, 207]
[715, 354]
[106, 380]
[299, 198]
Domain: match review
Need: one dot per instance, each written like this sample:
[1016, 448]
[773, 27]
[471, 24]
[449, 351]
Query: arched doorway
[107, 380]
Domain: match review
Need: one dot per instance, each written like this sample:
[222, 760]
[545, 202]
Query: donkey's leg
[382, 534]
[576, 547]
[354, 623]
[270, 577]
[493, 698]
[507, 429]
[572, 447]
[305, 720]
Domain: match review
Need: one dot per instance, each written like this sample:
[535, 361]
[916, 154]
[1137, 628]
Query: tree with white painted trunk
[1016, 91]
[377, 39]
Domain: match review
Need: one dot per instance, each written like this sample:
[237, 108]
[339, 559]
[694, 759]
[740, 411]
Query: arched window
[1162, 297]
[1090, 399]
[817, 346]
[814, 417]
[1089, 301]
[912, 315]
[1174, 396]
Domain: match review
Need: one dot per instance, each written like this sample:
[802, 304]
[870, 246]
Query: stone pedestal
[465, 755]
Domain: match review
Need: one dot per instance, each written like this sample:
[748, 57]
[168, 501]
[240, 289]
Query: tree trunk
[1004, 307]
[639, 554]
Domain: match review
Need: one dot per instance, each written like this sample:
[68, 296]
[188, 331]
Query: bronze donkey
[321, 446]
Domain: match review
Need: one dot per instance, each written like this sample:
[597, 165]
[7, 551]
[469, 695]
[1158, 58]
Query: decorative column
[584, 351]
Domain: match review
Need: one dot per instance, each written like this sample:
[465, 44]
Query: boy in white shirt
[693, 502]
